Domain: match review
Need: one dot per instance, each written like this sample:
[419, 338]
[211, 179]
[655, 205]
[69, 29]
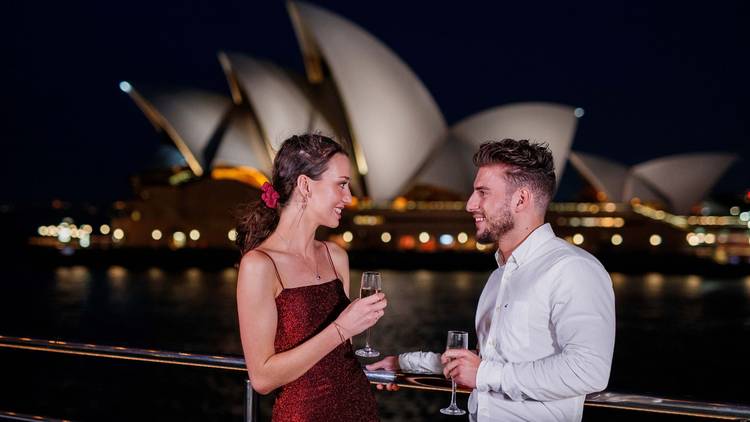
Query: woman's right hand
[362, 314]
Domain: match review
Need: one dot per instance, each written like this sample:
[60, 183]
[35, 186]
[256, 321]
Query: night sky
[654, 79]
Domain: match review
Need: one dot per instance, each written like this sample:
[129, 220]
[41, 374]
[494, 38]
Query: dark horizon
[653, 79]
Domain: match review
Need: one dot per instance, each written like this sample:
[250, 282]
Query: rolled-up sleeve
[420, 362]
[583, 317]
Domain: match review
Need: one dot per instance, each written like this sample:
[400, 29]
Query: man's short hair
[529, 164]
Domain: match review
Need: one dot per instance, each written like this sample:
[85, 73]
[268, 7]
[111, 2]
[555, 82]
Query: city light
[156, 234]
[195, 234]
[578, 238]
[654, 240]
[579, 112]
[385, 237]
[118, 234]
[368, 220]
[424, 237]
[104, 229]
[446, 239]
[232, 235]
[64, 234]
[125, 87]
[616, 239]
[347, 236]
[85, 240]
[179, 239]
[692, 239]
[462, 238]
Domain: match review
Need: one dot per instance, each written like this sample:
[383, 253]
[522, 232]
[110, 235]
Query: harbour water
[677, 336]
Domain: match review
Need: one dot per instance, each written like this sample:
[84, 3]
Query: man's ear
[523, 199]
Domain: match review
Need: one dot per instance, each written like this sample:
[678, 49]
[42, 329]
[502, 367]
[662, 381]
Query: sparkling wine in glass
[371, 284]
[456, 340]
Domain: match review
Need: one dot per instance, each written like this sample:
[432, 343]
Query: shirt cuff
[489, 376]
[420, 362]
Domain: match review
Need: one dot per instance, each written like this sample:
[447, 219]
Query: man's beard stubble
[497, 228]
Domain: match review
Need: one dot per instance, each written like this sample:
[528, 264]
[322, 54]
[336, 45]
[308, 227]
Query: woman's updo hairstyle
[307, 155]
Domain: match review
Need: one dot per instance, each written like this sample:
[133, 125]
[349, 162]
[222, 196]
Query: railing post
[251, 403]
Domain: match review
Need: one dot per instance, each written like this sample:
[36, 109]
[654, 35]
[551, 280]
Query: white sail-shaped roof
[605, 175]
[449, 167]
[697, 172]
[554, 124]
[206, 128]
[190, 118]
[241, 144]
[280, 105]
[640, 189]
[393, 119]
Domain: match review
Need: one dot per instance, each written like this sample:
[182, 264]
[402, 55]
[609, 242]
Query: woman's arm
[256, 306]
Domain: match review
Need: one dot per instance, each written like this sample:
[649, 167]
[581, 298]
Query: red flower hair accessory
[270, 197]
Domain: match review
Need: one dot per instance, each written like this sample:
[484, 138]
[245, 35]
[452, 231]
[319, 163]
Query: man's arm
[583, 317]
[415, 362]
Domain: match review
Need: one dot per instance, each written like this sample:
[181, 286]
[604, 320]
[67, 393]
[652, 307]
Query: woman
[292, 290]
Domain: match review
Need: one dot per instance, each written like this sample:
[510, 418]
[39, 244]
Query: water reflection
[423, 278]
[117, 274]
[73, 283]
[193, 275]
[155, 274]
[654, 284]
[463, 281]
[618, 281]
[229, 275]
[664, 323]
[118, 282]
[692, 286]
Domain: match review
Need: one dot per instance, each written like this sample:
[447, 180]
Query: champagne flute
[371, 284]
[456, 340]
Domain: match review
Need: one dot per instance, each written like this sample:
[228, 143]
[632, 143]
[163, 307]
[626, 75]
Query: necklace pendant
[317, 276]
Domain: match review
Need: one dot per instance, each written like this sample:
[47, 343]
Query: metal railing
[605, 399]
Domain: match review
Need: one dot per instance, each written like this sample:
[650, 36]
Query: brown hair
[307, 155]
[529, 163]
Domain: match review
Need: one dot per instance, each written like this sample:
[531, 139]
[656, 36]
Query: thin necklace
[315, 273]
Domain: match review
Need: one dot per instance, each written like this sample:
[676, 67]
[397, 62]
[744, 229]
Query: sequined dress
[335, 388]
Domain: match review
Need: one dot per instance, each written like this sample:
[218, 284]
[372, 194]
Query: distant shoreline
[622, 262]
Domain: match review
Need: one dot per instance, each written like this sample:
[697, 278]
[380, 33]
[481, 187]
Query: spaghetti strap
[331, 261]
[278, 277]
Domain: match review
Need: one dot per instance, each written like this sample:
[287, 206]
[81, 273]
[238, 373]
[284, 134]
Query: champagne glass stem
[367, 340]
[453, 393]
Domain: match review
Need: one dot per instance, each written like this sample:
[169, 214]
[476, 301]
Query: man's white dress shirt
[545, 324]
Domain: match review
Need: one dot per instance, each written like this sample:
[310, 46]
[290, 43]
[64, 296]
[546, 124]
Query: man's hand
[461, 365]
[389, 363]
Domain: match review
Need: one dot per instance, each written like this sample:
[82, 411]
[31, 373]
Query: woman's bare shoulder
[337, 252]
[256, 271]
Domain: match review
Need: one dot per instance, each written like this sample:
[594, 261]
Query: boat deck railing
[606, 399]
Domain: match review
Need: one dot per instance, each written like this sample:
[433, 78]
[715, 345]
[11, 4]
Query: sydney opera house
[412, 170]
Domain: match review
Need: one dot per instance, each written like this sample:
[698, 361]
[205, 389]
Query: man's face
[489, 204]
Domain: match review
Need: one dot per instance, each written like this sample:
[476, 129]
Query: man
[545, 321]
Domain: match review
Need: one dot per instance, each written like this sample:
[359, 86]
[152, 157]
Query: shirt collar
[526, 249]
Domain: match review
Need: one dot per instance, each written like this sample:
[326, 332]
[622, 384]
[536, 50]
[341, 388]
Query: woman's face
[330, 194]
